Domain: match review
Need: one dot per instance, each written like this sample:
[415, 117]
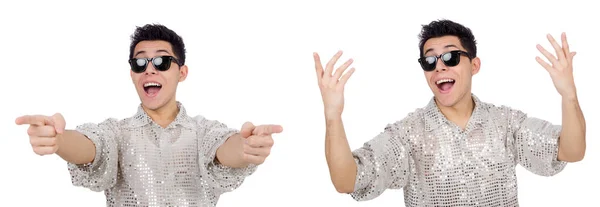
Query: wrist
[58, 142]
[329, 115]
[569, 97]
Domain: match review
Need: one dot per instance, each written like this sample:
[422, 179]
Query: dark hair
[445, 27]
[158, 32]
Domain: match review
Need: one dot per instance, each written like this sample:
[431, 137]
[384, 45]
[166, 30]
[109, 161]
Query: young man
[457, 150]
[160, 156]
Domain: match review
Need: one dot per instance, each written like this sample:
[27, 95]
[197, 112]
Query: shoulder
[202, 122]
[501, 110]
[108, 122]
[411, 120]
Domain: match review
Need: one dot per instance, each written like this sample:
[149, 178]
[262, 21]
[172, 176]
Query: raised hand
[44, 132]
[258, 141]
[332, 84]
[561, 70]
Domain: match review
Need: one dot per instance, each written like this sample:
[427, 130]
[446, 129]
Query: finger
[260, 141]
[42, 141]
[45, 150]
[346, 76]
[571, 55]
[59, 123]
[330, 65]
[257, 151]
[544, 64]
[318, 66]
[341, 69]
[41, 131]
[37, 120]
[559, 52]
[548, 55]
[267, 129]
[253, 159]
[565, 44]
[247, 129]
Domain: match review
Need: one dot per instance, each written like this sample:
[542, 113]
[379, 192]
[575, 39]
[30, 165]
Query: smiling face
[450, 84]
[155, 88]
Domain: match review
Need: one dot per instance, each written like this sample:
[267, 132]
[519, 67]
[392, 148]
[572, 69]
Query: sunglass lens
[429, 63]
[161, 63]
[451, 59]
[138, 65]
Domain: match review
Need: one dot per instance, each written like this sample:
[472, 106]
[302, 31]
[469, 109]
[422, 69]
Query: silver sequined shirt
[436, 163]
[139, 163]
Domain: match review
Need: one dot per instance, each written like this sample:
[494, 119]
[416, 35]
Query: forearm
[342, 167]
[76, 148]
[572, 138]
[231, 152]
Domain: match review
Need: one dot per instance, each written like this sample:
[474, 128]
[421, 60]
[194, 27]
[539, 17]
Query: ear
[475, 65]
[183, 72]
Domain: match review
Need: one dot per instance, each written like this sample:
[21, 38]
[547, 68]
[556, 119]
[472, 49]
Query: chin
[152, 105]
[445, 100]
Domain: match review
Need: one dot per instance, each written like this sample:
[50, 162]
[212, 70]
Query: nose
[150, 69]
[440, 66]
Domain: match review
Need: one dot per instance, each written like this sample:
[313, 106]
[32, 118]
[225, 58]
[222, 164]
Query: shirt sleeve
[221, 178]
[101, 173]
[382, 163]
[536, 144]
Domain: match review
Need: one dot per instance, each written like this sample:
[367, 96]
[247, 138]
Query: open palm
[332, 84]
[561, 67]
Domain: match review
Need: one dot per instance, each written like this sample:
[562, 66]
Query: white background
[252, 61]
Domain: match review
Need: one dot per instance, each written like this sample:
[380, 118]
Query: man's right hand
[44, 132]
[332, 84]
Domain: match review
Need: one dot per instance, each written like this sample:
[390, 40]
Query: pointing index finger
[33, 120]
[268, 129]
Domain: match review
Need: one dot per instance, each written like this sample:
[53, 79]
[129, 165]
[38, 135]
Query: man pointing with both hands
[160, 156]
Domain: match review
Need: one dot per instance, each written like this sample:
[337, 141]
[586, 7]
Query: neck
[163, 115]
[459, 113]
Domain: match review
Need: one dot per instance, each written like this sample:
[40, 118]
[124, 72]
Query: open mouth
[445, 84]
[152, 88]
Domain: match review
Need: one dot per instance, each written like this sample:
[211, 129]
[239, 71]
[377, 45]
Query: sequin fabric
[436, 163]
[139, 163]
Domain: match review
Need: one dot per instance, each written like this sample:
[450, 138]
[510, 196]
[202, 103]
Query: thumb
[570, 57]
[59, 123]
[247, 129]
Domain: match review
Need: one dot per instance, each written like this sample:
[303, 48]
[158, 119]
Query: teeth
[444, 81]
[152, 84]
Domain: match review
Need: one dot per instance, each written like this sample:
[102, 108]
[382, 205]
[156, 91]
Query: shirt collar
[434, 117]
[141, 118]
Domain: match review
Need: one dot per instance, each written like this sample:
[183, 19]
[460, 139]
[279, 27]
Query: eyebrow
[447, 46]
[142, 52]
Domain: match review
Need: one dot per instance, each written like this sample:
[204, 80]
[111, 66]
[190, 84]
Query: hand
[561, 70]
[258, 141]
[44, 132]
[332, 86]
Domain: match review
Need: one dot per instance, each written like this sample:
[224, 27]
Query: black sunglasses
[161, 63]
[450, 59]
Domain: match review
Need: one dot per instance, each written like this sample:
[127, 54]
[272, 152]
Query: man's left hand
[561, 67]
[258, 141]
